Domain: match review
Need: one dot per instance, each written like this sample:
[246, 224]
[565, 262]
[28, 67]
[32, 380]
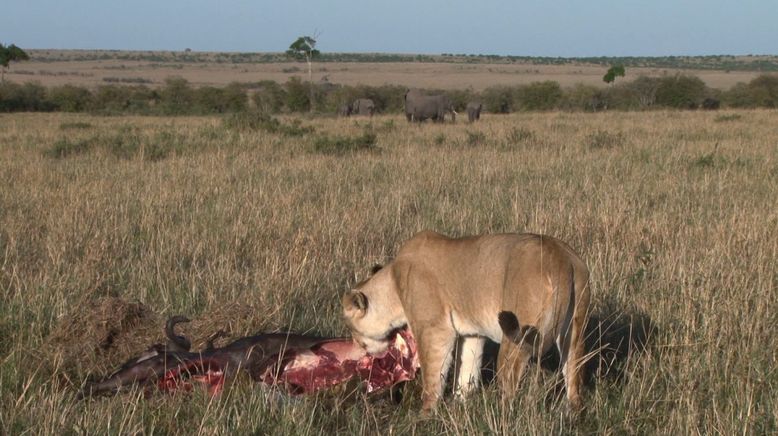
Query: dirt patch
[96, 337]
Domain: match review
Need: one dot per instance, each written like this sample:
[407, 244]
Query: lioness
[530, 289]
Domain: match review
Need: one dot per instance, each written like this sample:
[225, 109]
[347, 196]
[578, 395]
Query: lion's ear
[356, 302]
[360, 300]
[377, 267]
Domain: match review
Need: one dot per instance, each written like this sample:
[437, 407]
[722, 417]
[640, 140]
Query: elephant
[363, 106]
[711, 104]
[344, 110]
[474, 111]
[419, 107]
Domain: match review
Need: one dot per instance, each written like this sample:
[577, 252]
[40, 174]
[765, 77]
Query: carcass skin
[298, 364]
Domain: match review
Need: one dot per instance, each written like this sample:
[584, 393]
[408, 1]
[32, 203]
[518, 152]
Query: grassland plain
[93, 73]
[674, 212]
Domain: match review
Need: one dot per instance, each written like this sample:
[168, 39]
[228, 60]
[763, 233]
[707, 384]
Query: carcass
[297, 364]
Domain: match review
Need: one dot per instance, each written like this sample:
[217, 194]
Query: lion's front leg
[436, 345]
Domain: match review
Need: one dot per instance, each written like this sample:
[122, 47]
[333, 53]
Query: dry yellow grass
[674, 212]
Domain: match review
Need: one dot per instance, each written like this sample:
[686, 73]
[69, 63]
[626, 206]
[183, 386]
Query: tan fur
[443, 288]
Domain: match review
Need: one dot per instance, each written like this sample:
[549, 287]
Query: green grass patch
[326, 144]
[260, 121]
[77, 125]
[520, 136]
[126, 143]
[474, 138]
[603, 139]
[727, 118]
[63, 148]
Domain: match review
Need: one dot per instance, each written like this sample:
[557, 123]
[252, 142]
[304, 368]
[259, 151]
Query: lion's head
[372, 310]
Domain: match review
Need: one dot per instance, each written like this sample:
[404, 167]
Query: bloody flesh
[335, 362]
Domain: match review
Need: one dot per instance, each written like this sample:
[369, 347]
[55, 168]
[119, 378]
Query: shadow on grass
[614, 336]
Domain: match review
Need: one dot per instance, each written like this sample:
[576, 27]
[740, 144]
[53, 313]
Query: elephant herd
[418, 107]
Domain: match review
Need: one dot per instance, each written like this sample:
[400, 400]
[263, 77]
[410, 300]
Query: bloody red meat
[334, 362]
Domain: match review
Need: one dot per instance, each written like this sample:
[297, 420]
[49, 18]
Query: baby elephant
[474, 111]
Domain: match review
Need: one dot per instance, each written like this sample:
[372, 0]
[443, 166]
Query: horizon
[399, 53]
[564, 29]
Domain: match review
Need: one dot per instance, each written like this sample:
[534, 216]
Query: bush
[764, 91]
[539, 96]
[579, 97]
[739, 96]
[460, 98]
[111, 98]
[297, 95]
[122, 99]
[498, 99]
[210, 100]
[29, 97]
[620, 97]
[680, 91]
[269, 97]
[176, 97]
[69, 98]
[644, 90]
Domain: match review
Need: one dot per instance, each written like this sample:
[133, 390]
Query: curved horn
[180, 342]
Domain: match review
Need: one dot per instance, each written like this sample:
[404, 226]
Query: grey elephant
[474, 111]
[363, 106]
[420, 107]
[344, 110]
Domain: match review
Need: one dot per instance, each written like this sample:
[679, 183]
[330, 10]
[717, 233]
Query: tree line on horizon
[178, 97]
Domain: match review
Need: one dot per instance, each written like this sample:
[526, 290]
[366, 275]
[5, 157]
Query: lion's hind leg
[517, 347]
[512, 361]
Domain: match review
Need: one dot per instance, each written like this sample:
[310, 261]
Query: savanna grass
[227, 215]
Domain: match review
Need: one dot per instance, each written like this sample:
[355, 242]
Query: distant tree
[613, 72]
[304, 48]
[10, 54]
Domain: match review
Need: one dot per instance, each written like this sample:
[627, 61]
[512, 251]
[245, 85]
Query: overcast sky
[530, 27]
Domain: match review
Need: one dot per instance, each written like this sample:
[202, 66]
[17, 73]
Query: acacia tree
[304, 48]
[613, 72]
[10, 54]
